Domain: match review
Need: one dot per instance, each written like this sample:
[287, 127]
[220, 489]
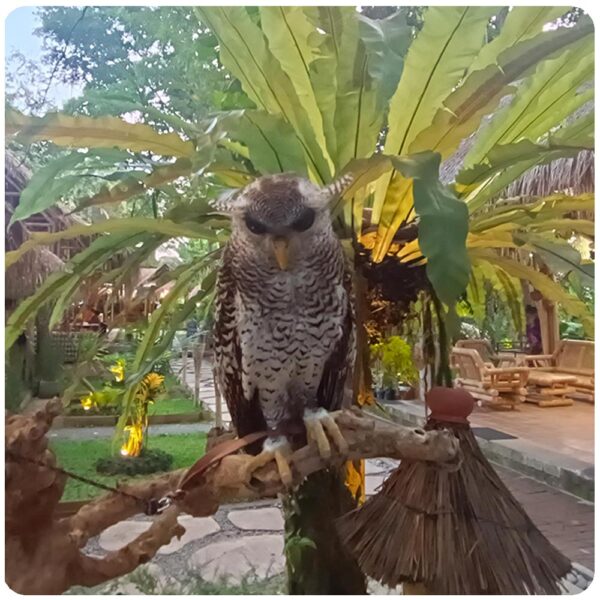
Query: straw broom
[452, 530]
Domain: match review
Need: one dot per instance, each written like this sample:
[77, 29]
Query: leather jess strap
[216, 454]
[219, 452]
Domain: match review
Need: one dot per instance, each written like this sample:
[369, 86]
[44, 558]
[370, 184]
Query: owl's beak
[280, 248]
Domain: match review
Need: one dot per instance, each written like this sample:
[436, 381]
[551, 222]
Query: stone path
[207, 392]
[246, 540]
[86, 433]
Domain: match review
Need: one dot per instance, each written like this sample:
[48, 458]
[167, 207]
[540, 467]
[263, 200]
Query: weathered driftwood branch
[43, 552]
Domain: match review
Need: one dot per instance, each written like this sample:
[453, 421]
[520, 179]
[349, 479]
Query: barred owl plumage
[284, 332]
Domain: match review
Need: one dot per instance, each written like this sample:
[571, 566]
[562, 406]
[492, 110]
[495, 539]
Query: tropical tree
[329, 91]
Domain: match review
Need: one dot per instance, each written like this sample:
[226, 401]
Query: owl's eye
[305, 220]
[255, 226]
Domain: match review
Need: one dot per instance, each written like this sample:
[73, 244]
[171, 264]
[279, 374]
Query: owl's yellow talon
[316, 433]
[277, 450]
[284, 469]
[336, 435]
[317, 423]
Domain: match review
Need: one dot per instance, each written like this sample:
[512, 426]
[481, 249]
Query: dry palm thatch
[456, 531]
[565, 175]
[24, 277]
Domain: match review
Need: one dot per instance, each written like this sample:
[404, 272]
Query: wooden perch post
[43, 552]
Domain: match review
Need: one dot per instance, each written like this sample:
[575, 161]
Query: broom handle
[416, 588]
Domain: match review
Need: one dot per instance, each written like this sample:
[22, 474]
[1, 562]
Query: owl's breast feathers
[268, 322]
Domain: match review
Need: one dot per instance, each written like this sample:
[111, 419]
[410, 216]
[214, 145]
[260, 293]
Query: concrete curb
[583, 576]
[568, 474]
[109, 420]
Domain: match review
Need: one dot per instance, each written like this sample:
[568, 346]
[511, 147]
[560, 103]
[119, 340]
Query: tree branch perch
[43, 552]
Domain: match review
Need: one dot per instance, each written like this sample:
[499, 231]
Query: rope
[154, 506]
[150, 506]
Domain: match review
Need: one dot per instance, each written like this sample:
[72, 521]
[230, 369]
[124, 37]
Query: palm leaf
[56, 179]
[448, 43]
[245, 52]
[485, 84]
[133, 224]
[270, 141]
[450, 40]
[557, 254]
[296, 43]
[443, 219]
[357, 119]
[132, 186]
[522, 23]
[544, 284]
[543, 100]
[506, 163]
[149, 350]
[100, 132]
[539, 211]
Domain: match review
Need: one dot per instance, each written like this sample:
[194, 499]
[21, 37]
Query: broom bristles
[457, 531]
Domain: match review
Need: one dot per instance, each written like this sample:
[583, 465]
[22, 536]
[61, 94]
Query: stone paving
[247, 539]
[538, 442]
[206, 390]
[87, 433]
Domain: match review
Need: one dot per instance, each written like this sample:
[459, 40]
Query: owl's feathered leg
[319, 423]
[277, 449]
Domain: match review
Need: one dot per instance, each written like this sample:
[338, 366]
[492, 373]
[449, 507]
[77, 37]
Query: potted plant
[395, 367]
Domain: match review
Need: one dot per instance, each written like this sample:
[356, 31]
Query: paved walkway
[207, 391]
[87, 433]
[246, 540]
[539, 442]
[568, 430]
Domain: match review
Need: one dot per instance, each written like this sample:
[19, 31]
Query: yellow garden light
[87, 402]
[118, 370]
[135, 439]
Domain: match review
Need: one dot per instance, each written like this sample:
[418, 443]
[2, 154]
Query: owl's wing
[338, 367]
[246, 413]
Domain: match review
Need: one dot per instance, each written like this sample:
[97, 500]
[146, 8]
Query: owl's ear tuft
[338, 186]
[229, 202]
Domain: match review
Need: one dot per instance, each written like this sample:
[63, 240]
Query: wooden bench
[499, 388]
[573, 360]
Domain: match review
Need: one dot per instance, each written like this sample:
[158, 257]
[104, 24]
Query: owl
[284, 327]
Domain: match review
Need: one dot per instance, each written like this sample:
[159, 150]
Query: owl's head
[279, 216]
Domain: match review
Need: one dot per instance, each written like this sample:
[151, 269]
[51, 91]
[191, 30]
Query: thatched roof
[24, 277]
[53, 218]
[16, 173]
[571, 175]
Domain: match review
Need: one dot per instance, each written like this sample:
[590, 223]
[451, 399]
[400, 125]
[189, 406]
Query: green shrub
[396, 361]
[149, 461]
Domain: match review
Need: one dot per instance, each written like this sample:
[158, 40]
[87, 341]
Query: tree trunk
[48, 358]
[317, 563]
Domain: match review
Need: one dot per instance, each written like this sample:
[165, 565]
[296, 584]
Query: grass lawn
[164, 406]
[80, 456]
[173, 406]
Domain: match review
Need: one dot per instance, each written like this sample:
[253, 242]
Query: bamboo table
[550, 389]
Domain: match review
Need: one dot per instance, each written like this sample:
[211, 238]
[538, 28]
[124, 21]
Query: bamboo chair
[482, 346]
[573, 360]
[491, 358]
[499, 388]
